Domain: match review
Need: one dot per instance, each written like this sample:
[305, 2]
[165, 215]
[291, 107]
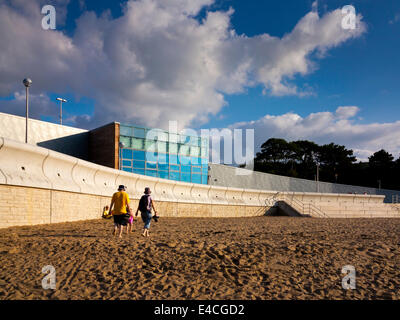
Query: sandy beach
[242, 258]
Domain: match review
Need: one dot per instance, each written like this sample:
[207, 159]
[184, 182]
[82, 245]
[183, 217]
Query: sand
[242, 258]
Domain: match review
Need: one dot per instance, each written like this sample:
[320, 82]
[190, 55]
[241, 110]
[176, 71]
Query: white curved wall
[31, 166]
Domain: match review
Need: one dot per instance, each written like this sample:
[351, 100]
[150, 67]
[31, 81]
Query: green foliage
[336, 163]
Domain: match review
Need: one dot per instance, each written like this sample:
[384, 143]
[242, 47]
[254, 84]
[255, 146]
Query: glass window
[163, 136]
[184, 160]
[196, 161]
[204, 160]
[126, 141]
[204, 152]
[139, 164]
[127, 163]
[173, 148]
[138, 171]
[184, 139]
[137, 143]
[151, 165]
[185, 177]
[161, 146]
[163, 174]
[204, 142]
[196, 169]
[139, 133]
[174, 175]
[184, 149]
[196, 178]
[152, 173]
[174, 167]
[204, 179]
[195, 151]
[185, 168]
[163, 166]
[125, 131]
[127, 169]
[194, 141]
[163, 158]
[152, 156]
[139, 155]
[173, 137]
[173, 159]
[126, 153]
[150, 145]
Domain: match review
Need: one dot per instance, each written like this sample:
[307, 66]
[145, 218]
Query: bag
[144, 203]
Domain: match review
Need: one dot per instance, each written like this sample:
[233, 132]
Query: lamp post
[315, 158]
[61, 102]
[27, 83]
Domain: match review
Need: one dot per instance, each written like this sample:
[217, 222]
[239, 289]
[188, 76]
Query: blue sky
[360, 73]
[364, 72]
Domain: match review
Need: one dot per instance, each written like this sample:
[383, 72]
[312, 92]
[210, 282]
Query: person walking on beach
[122, 210]
[146, 203]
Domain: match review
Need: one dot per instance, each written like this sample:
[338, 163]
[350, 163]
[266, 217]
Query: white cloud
[156, 62]
[326, 127]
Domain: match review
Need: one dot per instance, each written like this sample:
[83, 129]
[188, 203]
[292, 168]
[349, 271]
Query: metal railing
[303, 208]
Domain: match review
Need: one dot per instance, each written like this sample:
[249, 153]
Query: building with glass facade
[159, 153]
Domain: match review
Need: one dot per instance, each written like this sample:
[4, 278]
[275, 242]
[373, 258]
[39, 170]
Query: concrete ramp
[285, 209]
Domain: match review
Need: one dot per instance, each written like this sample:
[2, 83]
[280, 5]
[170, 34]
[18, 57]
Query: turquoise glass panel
[126, 163]
[163, 158]
[161, 146]
[139, 133]
[184, 160]
[137, 143]
[150, 145]
[174, 175]
[139, 155]
[185, 168]
[163, 166]
[138, 164]
[125, 131]
[173, 148]
[173, 159]
[196, 178]
[152, 173]
[196, 169]
[163, 174]
[126, 141]
[152, 156]
[138, 171]
[151, 165]
[126, 154]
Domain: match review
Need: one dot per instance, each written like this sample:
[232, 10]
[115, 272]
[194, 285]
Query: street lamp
[61, 102]
[27, 83]
[315, 158]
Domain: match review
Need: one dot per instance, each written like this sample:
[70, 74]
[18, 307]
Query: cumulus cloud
[157, 62]
[325, 127]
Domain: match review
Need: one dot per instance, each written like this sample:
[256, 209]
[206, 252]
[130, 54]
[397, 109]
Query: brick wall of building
[103, 145]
